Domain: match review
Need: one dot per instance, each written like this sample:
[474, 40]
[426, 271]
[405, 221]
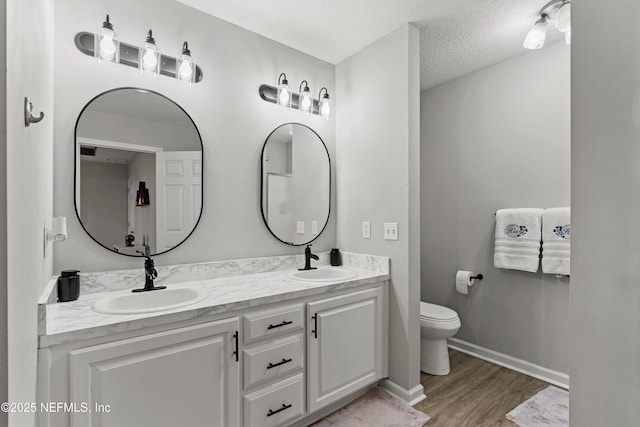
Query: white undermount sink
[323, 275]
[149, 302]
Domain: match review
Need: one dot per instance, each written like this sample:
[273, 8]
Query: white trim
[412, 397]
[557, 378]
[118, 145]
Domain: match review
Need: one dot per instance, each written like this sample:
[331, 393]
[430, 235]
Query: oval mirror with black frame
[296, 184]
[138, 172]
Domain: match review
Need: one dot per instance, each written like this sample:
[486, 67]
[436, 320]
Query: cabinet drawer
[272, 322]
[273, 359]
[276, 404]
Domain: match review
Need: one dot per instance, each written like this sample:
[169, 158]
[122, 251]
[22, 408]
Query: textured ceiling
[457, 36]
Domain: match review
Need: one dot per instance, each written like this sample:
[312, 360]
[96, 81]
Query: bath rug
[376, 408]
[548, 408]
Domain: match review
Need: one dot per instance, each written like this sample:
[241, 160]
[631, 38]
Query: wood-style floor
[475, 393]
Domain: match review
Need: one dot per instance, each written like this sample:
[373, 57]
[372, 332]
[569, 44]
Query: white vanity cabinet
[187, 376]
[347, 344]
[278, 364]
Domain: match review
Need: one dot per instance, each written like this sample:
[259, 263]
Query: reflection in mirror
[138, 172]
[296, 184]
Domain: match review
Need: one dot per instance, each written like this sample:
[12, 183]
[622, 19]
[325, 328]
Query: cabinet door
[345, 345]
[183, 377]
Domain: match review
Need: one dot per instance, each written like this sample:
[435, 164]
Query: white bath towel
[556, 240]
[518, 235]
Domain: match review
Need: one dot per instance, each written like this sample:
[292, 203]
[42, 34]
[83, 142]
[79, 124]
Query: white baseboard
[412, 397]
[519, 365]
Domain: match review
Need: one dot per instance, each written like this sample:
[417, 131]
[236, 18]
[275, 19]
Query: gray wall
[605, 252]
[225, 105]
[3, 211]
[377, 144]
[497, 138]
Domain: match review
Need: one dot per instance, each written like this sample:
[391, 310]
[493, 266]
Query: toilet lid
[436, 312]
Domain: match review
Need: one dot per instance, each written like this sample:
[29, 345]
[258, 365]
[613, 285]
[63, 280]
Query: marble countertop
[76, 320]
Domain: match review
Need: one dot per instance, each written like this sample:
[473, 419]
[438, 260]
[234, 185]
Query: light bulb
[185, 70]
[325, 108]
[149, 55]
[105, 43]
[185, 66]
[537, 35]
[305, 104]
[283, 95]
[564, 18]
[149, 59]
[107, 47]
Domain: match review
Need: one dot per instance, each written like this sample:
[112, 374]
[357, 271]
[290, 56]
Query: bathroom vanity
[262, 349]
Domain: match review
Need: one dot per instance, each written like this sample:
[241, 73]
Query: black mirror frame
[75, 171]
[264, 218]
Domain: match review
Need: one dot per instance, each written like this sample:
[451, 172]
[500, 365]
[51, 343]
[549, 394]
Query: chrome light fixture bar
[557, 12]
[128, 54]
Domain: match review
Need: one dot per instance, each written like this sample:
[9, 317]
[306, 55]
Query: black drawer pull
[273, 365]
[272, 412]
[285, 323]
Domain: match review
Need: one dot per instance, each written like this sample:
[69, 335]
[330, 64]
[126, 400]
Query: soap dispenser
[68, 285]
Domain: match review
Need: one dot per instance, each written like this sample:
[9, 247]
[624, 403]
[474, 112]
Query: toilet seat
[436, 313]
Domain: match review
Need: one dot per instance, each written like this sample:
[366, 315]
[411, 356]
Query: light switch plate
[314, 227]
[300, 227]
[390, 231]
[366, 229]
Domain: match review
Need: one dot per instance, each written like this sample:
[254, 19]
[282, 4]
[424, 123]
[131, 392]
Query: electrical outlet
[390, 231]
[366, 229]
[314, 227]
[300, 227]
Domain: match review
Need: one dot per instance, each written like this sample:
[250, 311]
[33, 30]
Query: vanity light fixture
[185, 68]
[556, 12]
[149, 55]
[284, 97]
[305, 101]
[324, 108]
[284, 92]
[106, 45]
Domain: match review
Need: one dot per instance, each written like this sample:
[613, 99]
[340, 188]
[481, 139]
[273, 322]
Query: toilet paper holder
[477, 277]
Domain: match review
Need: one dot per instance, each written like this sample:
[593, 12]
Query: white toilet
[437, 323]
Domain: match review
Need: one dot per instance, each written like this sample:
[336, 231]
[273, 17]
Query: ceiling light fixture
[537, 35]
[149, 55]
[556, 12]
[305, 101]
[106, 45]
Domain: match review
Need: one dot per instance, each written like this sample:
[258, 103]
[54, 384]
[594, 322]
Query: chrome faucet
[307, 259]
[150, 274]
